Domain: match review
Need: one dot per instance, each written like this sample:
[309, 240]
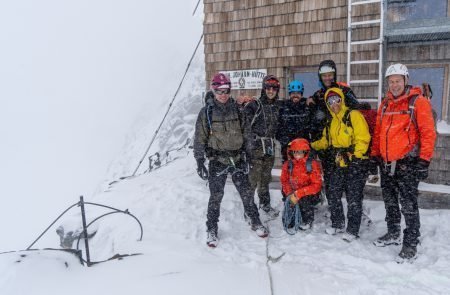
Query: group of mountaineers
[329, 143]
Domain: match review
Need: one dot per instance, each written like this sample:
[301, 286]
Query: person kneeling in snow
[301, 179]
[219, 134]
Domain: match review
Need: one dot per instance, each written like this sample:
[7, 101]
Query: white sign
[246, 79]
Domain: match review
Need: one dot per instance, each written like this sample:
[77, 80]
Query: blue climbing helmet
[296, 86]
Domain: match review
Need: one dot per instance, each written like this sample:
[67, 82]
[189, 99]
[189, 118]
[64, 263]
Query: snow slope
[171, 203]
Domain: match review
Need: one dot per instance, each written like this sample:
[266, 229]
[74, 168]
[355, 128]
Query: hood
[409, 91]
[330, 63]
[298, 144]
[344, 108]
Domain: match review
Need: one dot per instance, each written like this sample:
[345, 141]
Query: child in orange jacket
[301, 179]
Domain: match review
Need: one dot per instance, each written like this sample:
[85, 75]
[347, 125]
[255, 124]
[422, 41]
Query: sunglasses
[222, 91]
[333, 99]
[298, 152]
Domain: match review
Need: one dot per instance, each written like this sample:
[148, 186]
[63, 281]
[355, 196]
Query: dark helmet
[327, 66]
[220, 81]
[271, 81]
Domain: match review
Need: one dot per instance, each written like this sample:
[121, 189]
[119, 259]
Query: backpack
[428, 94]
[369, 115]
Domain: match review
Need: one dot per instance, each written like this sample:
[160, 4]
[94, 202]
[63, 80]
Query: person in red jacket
[301, 180]
[403, 144]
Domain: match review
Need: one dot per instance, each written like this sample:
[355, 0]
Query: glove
[293, 199]
[201, 169]
[422, 169]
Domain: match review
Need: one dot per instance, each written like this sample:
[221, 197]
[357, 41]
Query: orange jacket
[300, 181]
[396, 135]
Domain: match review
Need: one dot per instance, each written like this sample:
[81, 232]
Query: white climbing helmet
[397, 69]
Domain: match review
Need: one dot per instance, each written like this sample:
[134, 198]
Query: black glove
[201, 169]
[422, 169]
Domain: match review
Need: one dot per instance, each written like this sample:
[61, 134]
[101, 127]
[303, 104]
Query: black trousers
[218, 173]
[402, 187]
[260, 176]
[350, 180]
[306, 205]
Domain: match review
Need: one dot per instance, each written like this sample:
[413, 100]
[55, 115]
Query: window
[436, 78]
[310, 80]
[400, 10]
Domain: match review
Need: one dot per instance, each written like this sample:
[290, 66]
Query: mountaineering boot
[407, 254]
[261, 230]
[271, 212]
[334, 231]
[391, 238]
[212, 240]
[305, 226]
[348, 237]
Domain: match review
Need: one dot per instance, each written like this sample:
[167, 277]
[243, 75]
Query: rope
[169, 107]
[270, 259]
[196, 6]
[291, 216]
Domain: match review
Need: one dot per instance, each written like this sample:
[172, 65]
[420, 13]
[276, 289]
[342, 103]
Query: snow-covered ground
[171, 204]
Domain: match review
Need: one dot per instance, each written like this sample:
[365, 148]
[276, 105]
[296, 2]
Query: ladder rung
[366, 42]
[363, 81]
[359, 62]
[366, 22]
[365, 2]
[367, 99]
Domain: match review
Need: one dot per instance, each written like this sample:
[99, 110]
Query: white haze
[74, 77]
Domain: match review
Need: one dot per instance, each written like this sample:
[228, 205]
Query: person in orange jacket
[403, 145]
[301, 179]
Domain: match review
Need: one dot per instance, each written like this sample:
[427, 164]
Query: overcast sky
[74, 77]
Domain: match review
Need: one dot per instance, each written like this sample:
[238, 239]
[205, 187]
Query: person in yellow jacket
[347, 137]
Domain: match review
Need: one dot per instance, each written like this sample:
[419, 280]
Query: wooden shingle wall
[279, 34]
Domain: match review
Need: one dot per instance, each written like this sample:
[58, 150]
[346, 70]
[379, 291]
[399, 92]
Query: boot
[212, 240]
[261, 230]
[407, 254]
[334, 231]
[271, 212]
[391, 238]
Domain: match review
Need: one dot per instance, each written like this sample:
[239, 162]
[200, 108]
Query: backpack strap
[208, 114]
[411, 109]
[308, 165]
[309, 160]
[258, 111]
[347, 119]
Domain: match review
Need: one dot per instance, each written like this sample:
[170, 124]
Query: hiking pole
[86, 243]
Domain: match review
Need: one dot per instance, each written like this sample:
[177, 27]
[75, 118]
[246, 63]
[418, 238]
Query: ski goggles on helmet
[298, 152]
[272, 84]
[333, 100]
[222, 91]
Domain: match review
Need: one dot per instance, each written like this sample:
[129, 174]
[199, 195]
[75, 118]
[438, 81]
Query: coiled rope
[291, 217]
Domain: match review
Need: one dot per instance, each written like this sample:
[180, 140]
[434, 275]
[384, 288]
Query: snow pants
[260, 177]
[350, 180]
[218, 173]
[402, 187]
